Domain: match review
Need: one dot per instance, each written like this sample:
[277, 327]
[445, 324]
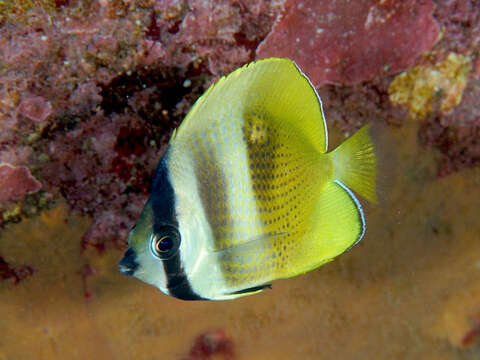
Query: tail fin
[355, 163]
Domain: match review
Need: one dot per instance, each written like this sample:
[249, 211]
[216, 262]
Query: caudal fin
[355, 163]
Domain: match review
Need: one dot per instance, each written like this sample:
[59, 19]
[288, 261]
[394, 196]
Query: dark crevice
[168, 86]
[153, 31]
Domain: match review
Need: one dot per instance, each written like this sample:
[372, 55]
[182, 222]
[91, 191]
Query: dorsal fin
[273, 87]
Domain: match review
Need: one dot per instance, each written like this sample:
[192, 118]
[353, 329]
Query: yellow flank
[277, 203]
[286, 179]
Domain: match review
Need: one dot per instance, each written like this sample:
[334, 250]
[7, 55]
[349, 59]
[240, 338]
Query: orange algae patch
[459, 322]
[420, 87]
[409, 290]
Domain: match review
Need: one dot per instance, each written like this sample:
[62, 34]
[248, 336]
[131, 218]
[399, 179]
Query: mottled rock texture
[347, 42]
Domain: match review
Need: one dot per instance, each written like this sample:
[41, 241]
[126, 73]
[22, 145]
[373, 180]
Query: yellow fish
[246, 192]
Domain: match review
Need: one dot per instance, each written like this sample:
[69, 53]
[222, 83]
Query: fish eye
[165, 242]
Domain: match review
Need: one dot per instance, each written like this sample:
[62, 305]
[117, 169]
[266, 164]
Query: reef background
[89, 94]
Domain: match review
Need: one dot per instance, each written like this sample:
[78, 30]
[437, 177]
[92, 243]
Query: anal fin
[338, 223]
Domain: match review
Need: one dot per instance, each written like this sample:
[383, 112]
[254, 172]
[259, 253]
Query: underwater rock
[348, 42]
[218, 36]
[16, 182]
[14, 273]
[351, 106]
[107, 179]
[460, 23]
[107, 226]
[456, 134]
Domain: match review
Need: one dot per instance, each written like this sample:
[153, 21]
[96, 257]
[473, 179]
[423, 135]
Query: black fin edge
[252, 289]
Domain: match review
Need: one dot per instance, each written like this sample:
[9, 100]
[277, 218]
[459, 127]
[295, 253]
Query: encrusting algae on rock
[419, 87]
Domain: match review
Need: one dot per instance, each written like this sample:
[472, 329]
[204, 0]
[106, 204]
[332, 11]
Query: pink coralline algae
[347, 42]
[35, 108]
[16, 182]
[212, 344]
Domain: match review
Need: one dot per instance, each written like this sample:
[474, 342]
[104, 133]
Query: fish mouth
[128, 264]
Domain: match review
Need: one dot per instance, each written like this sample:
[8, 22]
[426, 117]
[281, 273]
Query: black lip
[128, 265]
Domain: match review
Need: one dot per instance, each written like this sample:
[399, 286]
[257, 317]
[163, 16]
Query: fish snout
[128, 264]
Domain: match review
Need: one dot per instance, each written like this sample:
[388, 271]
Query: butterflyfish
[246, 192]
